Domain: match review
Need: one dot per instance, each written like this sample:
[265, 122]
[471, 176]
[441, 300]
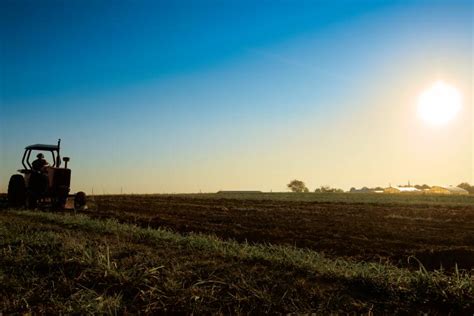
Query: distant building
[447, 190]
[241, 192]
[362, 190]
[402, 190]
[391, 190]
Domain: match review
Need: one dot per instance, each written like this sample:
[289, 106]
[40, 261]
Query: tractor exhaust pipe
[58, 159]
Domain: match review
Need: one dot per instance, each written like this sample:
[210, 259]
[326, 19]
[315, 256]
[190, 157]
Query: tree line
[299, 186]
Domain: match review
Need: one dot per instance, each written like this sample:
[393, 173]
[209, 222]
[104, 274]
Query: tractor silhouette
[45, 187]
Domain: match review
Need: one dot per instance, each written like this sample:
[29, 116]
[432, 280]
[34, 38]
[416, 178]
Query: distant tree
[328, 189]
[297, 186]
[325, 189]
[466, 186]
[352, 189]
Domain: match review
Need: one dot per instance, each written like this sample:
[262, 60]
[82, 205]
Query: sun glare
[439, 104]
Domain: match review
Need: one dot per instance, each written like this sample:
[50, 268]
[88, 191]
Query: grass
[66, 263]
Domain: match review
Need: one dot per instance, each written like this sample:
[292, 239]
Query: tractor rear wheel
[80, 201]
[16, 191]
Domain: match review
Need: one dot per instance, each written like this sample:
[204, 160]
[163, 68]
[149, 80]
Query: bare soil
[402, 234]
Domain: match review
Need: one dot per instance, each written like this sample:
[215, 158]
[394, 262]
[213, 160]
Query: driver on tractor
[40, 164]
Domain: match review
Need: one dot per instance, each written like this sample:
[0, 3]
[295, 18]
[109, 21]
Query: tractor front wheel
[80, 201]
[16, 191]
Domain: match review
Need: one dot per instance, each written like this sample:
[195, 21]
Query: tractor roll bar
[23, 160]
[28, 159]
[54, 159]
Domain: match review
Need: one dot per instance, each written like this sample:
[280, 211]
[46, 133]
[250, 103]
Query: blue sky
[65, 46]
[190, 91]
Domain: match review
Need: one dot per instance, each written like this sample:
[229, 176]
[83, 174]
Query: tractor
[48, 186]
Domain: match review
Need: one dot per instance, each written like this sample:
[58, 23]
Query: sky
[200, 96]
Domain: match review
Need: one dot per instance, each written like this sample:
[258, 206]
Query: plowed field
[437, 235]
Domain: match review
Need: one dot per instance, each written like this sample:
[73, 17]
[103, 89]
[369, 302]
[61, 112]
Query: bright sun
[439, 104]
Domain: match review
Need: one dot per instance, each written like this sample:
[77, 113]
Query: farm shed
[447, 190]
[391, 190]
[402, 190]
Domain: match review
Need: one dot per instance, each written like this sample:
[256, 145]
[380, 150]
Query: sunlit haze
[186, 96]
